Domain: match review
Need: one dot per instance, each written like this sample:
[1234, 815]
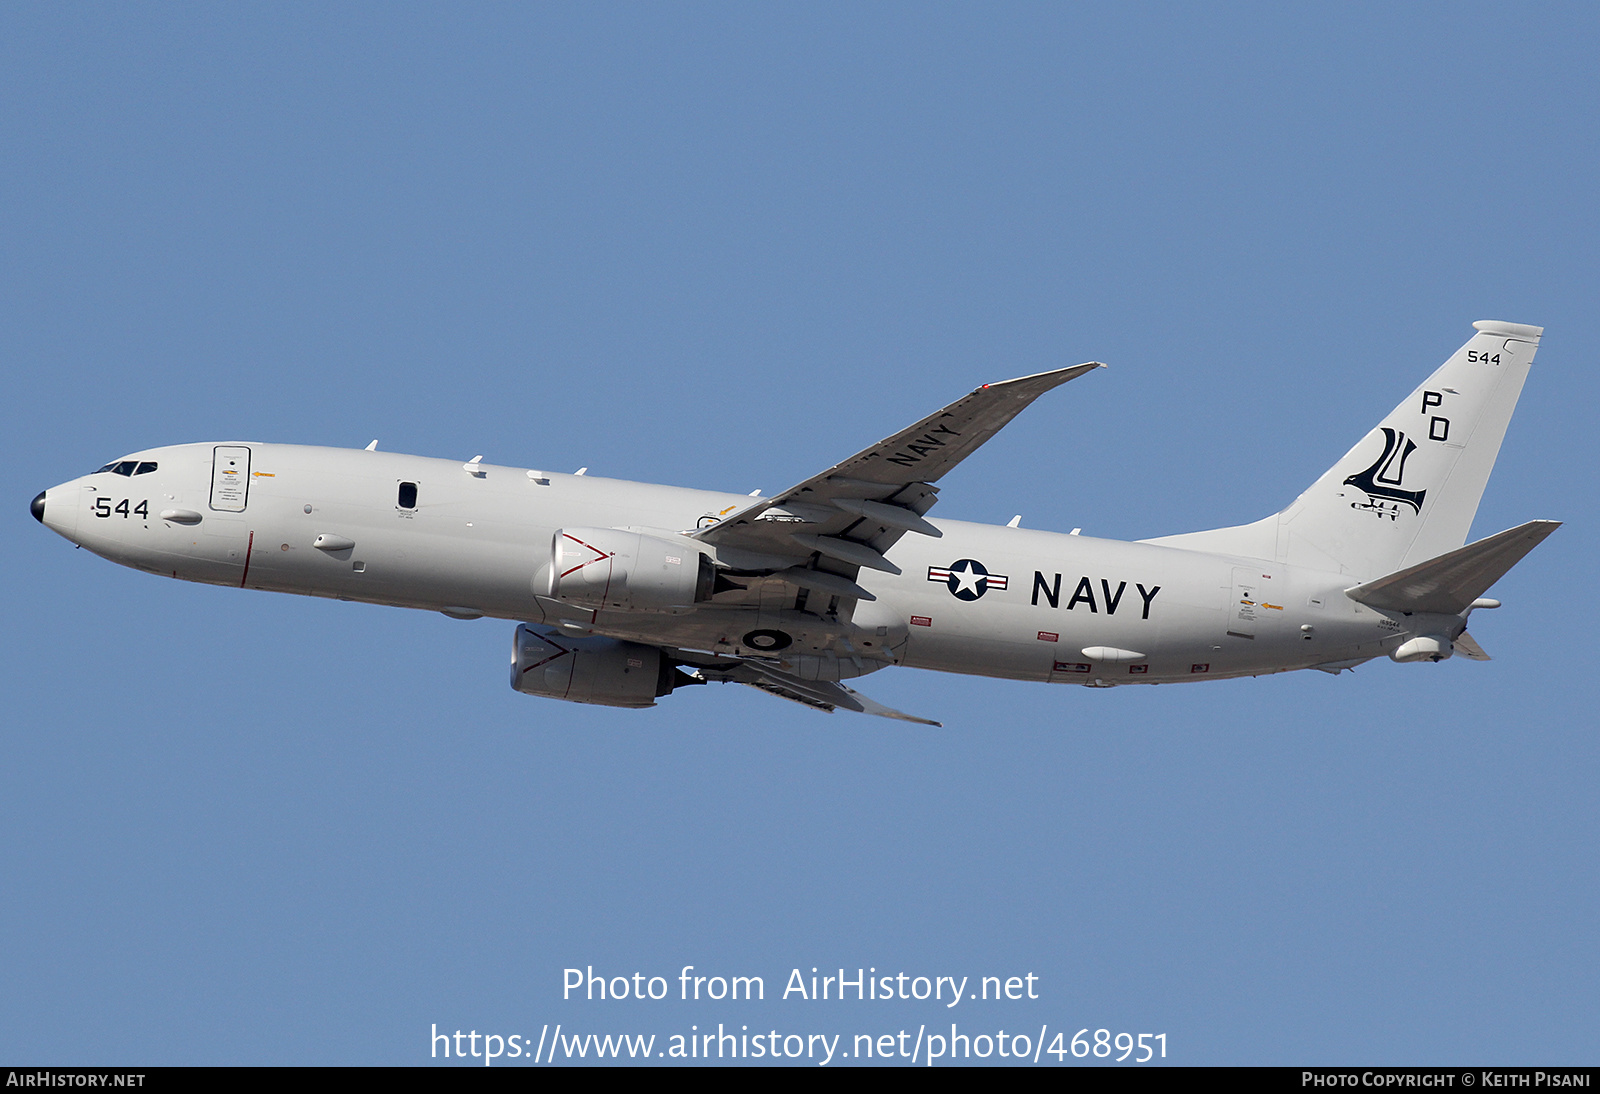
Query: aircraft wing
[847, 517]
[816, 694]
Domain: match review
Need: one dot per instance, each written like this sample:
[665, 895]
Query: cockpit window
[128, 467]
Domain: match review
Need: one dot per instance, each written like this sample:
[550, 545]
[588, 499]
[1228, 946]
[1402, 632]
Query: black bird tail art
[1390, 469]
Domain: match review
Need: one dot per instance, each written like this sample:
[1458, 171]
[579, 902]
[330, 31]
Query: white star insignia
[966, 579]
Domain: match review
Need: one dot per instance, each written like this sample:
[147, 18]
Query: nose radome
[37, 508]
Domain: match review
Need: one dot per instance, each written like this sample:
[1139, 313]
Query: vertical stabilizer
[1407, 492]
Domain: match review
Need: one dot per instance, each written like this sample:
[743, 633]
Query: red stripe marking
[601, 556]
[561, 651]
[547, 660]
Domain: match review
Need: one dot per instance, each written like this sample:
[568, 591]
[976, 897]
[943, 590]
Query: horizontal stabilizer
[1450, 583]
[1467, 646]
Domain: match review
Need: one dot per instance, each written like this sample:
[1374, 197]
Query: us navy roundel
[967, 579]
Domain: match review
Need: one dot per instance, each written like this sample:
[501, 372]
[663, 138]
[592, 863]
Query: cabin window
[408, 495]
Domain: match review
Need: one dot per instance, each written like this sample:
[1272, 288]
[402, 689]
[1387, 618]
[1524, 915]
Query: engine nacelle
[604, 671]
[628, 571]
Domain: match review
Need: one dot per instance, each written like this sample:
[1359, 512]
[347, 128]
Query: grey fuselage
[1052, 607]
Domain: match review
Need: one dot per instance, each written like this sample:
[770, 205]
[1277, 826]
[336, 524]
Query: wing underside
[817, 694]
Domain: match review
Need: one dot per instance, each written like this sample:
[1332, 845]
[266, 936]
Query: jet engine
[604, 671]
[612, 568]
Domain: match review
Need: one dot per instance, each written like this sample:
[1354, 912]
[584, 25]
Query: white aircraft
[625, 591]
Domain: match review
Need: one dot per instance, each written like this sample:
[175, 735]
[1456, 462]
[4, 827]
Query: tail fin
[1409, 490]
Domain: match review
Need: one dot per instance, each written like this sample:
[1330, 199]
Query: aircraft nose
[37, 508]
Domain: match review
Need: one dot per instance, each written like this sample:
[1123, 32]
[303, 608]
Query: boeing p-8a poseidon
[625, 591]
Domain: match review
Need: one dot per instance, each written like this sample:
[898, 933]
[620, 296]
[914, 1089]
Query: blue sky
[725, 246]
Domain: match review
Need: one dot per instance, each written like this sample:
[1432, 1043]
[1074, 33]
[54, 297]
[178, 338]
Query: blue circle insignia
[968, 579]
